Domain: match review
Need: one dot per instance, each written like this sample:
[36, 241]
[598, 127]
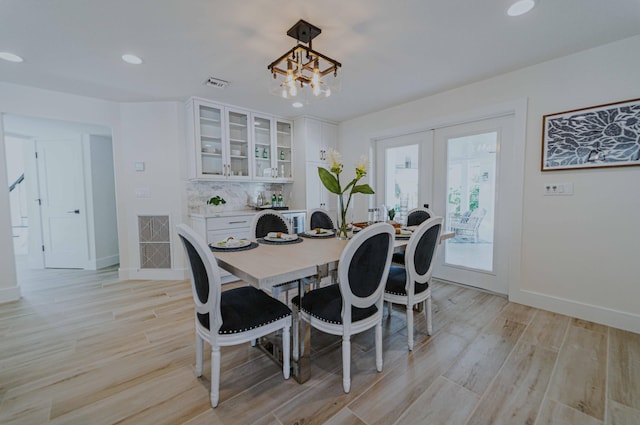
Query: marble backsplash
[238, 195]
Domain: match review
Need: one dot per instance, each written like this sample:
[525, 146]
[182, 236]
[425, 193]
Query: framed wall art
[598, 136]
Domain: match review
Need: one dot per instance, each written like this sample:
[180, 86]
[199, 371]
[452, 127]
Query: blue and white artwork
[603, 136]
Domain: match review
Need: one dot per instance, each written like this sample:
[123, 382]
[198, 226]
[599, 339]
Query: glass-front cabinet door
[237, 167]
[211, 141]
[284, 146]
[263, 148]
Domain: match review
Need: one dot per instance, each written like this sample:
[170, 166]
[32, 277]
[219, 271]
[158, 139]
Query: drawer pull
[237, 222]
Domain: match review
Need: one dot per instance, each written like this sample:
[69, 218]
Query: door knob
[73, 212]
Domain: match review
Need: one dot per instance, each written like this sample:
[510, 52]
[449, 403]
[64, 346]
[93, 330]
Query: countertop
[235, 213]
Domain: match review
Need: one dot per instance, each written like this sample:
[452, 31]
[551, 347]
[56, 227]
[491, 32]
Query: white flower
[333, 157]
[361, 165]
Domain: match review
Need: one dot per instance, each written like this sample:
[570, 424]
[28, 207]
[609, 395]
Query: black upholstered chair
[411, 284]
[319, 219]
[415, 217]
[272, 221]
[354, 304]
[231, 317]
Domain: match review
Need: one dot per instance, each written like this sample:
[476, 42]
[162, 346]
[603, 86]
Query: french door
[403, 172]
[471, 174]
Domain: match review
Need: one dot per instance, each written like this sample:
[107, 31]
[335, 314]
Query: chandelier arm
[283, 57]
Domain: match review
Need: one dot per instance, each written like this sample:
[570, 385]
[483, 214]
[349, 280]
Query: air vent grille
[216, 82]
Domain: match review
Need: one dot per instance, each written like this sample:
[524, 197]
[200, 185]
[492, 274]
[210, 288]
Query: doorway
[64, 215]
[469, 186]
[405, 168]
[470, 173]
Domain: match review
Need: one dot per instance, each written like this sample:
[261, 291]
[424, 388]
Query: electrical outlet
[558, 189]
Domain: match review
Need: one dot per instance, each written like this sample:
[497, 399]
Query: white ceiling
[391, 51]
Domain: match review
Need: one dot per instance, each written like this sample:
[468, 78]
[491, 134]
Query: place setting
[232, 244]
[318, 233]
[279, 238]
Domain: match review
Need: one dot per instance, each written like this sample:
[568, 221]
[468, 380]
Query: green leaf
[329, 181]
[363, 188]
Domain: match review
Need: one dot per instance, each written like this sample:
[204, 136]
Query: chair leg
[346, 363]
[389, 309]
[428, 309]
[215, 375]
[199, 350]
[379, 346]
[296, 335]
[410, 326]
[286, 351]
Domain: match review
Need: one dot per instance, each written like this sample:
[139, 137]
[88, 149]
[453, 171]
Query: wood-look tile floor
[82, 348]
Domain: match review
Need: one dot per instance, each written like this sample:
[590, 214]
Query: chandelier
[304, 73]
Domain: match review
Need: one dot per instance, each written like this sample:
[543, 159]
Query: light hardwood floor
[82, 348]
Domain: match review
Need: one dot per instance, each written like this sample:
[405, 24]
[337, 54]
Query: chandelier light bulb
[315, 80]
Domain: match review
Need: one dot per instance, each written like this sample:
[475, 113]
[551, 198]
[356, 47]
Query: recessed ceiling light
[520, 7]
[132, 59]
[297, 104]
[10, 57]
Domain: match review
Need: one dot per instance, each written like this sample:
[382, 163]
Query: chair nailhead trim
[254, 327]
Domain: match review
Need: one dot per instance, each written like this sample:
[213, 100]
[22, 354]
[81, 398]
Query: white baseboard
[593, 313]
[9, 294]
[152, 274]
[103, 262]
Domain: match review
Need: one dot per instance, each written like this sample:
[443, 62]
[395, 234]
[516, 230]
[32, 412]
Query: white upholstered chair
[318, 218]
[411, 284]
[231, 317]
[415, 217]
[355, 304]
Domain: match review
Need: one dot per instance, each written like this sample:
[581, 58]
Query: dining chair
[319, 219]
[415, 217]
[411, 284]
[272, 221]
[355, 303]
[232, 317]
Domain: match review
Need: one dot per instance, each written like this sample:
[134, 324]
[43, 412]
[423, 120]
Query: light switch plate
[138, 166]
[558, 189]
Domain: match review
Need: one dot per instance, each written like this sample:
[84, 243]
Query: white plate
[290, 238]
[324, 234]
[237, 243]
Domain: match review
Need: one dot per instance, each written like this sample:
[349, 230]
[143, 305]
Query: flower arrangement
[331, 180]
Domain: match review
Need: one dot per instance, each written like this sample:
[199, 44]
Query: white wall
[152, 133]
[102, 201]
[9, 290]
[579, 252]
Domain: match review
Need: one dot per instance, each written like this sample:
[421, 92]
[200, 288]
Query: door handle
[73, 212]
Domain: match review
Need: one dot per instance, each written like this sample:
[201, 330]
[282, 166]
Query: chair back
[417, 216]
[268, 221]
[364, 267]
[205, 276]
[319, 219]
[420, 252]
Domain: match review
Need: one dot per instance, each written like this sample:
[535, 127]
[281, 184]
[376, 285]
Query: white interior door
[471, 189]
[404, 172]
[63, 206]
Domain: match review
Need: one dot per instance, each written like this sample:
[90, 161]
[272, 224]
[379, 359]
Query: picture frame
[598, 136]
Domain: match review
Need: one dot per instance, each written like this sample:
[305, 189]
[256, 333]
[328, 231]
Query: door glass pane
[401, 182]
[470, 202]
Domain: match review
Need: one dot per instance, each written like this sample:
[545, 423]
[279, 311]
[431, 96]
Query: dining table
[268, 265]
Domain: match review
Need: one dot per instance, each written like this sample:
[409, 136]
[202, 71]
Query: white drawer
[231, 222]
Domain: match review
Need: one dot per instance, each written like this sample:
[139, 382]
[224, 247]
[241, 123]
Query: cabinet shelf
[214, 138]
[210, 120]
[238, 141]
[214, 154]
[235, 124]
[284, 147]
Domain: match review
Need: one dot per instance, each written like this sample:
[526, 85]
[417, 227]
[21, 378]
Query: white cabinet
[313, 138]
[273, 149]
[318, 136]
[220, 228]
[228, 143]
